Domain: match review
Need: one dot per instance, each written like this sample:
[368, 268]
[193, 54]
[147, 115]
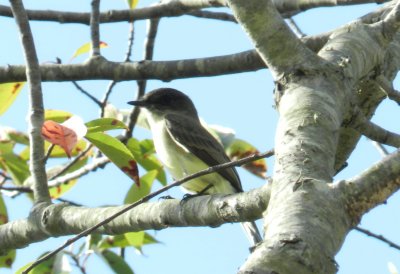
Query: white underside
[181, 163]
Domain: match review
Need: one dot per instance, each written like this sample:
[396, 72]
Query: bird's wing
[195, 138]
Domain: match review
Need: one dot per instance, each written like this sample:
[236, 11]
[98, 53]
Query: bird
[185, 147]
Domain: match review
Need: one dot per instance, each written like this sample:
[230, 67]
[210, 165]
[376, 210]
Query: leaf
[57, 151]
[135, 193]
[130, 239]
[58, 134]
[104, 124]
[15, 166]
[8, 94]
[239, 149]
[58, 191]
[132, 3]
[8, 134]
[8, 259]
[144, 154]
[85, 48]
[117, 264]
[58, 116]
[117, 152]
[65, 135]
[43, 268]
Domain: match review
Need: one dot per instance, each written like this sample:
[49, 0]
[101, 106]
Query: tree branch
[207, 210]
[36, 110]
[170, 9]
[162, 70]
[373, 131]
[378, 237]
[372, 187]
[149, 43]
[277, 45]
[94, 28]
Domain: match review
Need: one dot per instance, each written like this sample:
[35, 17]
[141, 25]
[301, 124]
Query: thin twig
[94, 27]
[382, 150]
[222, 16]
[147, 198]
[94, 99]
[149, 43]
[36, 109]
[130, 41]
[79, 173]
[110, 87]
[71, 163]
[49, 150]
[379, 237]
[295, 28]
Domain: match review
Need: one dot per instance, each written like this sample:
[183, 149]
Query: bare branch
[36, 110]
[281, 50]
[171, 9]
[90, 96]
[372, 187]
[94, 28]
[222, 16]
[162, 70]
[145, 199]
[168, 9]
[152, 28]
[373, 131]
[376, 236]
[382, 150]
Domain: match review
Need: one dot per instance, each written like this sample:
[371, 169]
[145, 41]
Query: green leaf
[85, 48]
[16, 167]
[8, 94]
[9, 134]
[135, 193]
[44, 268]
[57, 151]
[117, 264]
[58, 116]
[144, 154]
[239, 149]
[58, 191]
[132, 3]
[104, 124]
[117, 152]
[8, 259]
[130, 239]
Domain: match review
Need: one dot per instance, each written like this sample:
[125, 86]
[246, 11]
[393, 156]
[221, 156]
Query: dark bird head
[166, 100]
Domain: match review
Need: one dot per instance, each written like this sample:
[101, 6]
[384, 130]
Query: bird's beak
[138, 103]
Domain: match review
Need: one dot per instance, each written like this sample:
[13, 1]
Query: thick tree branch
[277, 45]
[36, 110]
[162, 70]
[170, 9]
[371, 188]
[167, 9]
[215, 210]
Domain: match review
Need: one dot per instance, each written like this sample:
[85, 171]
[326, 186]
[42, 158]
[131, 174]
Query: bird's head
[164, 101]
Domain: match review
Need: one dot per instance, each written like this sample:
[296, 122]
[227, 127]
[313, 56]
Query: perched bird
[186, 147]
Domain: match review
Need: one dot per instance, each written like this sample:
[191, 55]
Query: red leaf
[59, 135]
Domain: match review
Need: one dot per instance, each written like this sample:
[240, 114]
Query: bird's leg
[202, 192]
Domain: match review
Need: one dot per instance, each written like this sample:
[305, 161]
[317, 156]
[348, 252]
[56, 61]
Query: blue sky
[243, 102]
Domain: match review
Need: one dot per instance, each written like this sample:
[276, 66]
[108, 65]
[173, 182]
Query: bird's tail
[252, 233]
